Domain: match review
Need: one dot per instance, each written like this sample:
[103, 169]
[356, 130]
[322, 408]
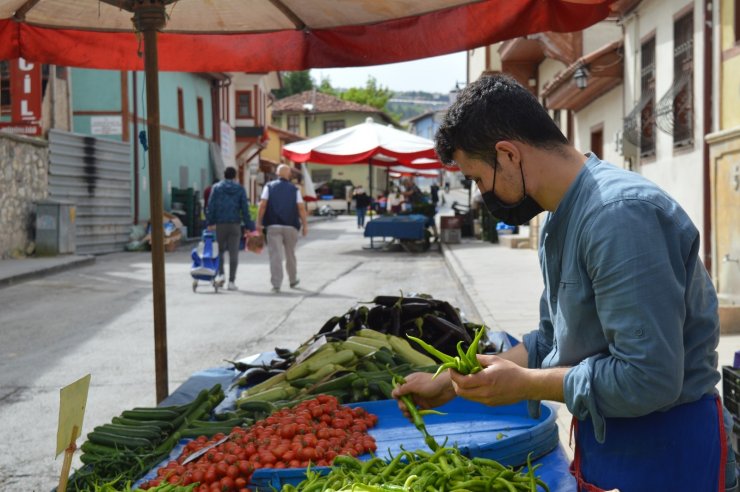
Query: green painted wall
[100, 91]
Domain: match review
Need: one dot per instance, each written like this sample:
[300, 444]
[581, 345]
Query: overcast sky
[437, 74]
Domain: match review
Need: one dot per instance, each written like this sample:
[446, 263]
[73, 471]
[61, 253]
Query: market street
[98, 319]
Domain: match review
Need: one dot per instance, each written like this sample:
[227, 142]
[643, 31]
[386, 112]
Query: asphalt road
[98, 320]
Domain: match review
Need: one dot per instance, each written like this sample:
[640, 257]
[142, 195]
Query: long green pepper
[416, 414]
[447, 469]
[465, 362]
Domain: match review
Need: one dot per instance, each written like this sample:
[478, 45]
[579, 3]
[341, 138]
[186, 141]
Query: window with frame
[5, 108]
[180, 110]
[294, 123]
[647, 88]
[244, 104]
[334, 125]
[201, 122]
[597, 141]
[320, 175]
[683, 70]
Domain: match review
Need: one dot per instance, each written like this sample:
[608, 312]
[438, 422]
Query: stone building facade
[23, 181]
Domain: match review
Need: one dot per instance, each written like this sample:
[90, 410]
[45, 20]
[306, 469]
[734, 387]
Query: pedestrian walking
[628, 319]
[434, 193]
[282, 212]
[362, 202]
[228, 209]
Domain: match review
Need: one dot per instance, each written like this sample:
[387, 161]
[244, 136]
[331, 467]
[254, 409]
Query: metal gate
[95, 174]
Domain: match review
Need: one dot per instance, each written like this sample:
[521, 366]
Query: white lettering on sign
[106, 125]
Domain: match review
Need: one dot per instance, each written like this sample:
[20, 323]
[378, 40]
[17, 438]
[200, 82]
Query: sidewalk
[505, 284]
[13, 271]
[20, 270]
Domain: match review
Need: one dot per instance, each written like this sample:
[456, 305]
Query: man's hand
[503, 382]
[304, 230]
[425, 391]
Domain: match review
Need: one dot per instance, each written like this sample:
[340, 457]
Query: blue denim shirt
[627, 304]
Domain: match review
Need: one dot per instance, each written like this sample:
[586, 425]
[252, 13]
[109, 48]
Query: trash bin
[55, 227]
[451, 229]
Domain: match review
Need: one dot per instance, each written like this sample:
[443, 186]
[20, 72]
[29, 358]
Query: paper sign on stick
[73, 399]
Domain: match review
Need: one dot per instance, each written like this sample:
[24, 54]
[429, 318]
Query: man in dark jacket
[227, 210]
[283, 214]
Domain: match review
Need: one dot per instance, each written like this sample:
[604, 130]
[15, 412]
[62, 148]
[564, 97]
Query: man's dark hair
[230, 173]
[491, 109]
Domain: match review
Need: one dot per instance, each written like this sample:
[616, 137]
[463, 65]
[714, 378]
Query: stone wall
[24, 168]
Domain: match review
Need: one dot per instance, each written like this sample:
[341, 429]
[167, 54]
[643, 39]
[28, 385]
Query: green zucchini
[164, 425]
[151, 433]
[195, 432]
[340, 383]
[150, 414]
[98, 449]
[116, 441]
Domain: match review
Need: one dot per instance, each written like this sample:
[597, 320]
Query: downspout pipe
[708, 22]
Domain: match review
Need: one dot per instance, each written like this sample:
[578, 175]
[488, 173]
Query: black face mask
[516, 214]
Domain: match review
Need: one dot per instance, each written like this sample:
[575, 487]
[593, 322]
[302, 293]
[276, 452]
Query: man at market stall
[282, 212]
[228, 209]
[628, 319]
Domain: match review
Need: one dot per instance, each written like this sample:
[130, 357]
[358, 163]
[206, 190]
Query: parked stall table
[410, 230]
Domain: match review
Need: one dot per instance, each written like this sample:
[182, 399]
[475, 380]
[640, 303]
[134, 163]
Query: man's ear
[508, 151]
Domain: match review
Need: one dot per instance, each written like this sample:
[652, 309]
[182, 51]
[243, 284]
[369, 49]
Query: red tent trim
[436, 33]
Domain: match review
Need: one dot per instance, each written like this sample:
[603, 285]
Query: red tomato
[227, 484]
[210, 476]
[232, 471]
[221, 469]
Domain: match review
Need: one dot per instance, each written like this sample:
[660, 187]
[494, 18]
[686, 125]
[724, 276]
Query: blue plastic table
[553, 466]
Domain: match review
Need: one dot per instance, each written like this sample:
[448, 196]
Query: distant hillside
[407, 105]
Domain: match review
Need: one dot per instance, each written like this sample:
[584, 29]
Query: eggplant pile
[434, 321]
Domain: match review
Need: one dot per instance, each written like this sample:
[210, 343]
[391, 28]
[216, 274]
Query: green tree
[326, 88]
[294, 83]
[372, 94]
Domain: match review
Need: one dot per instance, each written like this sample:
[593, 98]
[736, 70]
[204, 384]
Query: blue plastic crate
[506, 434]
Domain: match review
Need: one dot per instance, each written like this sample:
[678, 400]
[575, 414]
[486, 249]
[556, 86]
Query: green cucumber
[151, 433]
[116, 441]
[150, 414]
[195, 432]
[340, 383]
[98, 449]
[257, 406]
[164, 425]
[216, 423]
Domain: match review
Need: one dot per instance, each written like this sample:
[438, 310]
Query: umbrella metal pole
[149, 20]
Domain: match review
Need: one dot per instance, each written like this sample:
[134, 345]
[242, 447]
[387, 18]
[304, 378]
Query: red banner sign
[25, 98]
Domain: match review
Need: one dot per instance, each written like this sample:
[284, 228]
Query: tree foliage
[294, 83]
[372, 94]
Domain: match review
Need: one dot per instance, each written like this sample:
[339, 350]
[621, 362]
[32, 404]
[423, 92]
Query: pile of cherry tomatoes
[313, 432]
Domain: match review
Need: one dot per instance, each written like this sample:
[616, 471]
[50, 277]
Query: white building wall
[548, 70]
[680, 171]
[600, 34]
[606, 111]
[476, 63]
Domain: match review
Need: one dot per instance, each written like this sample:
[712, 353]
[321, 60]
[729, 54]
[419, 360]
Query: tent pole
[149, 17]
[370, 177]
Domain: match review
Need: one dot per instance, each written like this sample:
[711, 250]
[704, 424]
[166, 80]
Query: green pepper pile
[447, 469]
